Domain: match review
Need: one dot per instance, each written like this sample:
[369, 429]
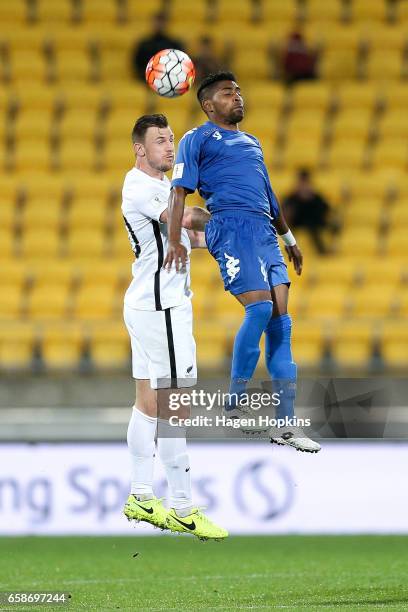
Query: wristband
[288, 239]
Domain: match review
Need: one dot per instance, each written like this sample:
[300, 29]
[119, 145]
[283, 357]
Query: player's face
[159, 148]
[228, 103]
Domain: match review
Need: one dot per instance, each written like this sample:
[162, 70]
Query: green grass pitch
[181, 573]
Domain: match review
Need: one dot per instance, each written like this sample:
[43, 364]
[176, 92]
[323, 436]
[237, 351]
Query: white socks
[140, 438]
[173, 454]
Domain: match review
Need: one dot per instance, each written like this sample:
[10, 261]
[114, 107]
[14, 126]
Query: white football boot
[295, 437]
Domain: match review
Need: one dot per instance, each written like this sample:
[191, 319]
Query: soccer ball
[170, 73]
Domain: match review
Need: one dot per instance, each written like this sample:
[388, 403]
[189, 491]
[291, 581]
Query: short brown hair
[143, 123]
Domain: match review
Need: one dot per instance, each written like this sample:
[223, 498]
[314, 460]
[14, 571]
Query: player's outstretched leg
[196, 523]
[182, 517]
[283, 371]
[141, 504]
[246, 354]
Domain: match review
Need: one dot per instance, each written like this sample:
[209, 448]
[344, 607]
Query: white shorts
[163, 346]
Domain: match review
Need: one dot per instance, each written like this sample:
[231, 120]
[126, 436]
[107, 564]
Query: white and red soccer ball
[170, 73]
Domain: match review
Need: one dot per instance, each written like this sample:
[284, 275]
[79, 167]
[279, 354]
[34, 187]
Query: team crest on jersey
[217, 135]
[232, 265]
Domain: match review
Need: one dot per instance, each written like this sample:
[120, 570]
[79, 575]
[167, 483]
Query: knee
[262, 311]
[284, 370]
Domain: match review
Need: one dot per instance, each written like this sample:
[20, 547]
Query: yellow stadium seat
[265, 95]
[43, 213]
[394, 125]
[352, 344]
[251, 66]
[307, 343]
[320, 10]
[27, 66]
[34, 97]
[385, 37]
[354, 123]
[254, 123]
[7, 214]
[364, 212]
[396, 95]
[11, 301]
[372, 301]
[338, 64]
[17, 340]
[306, 124]
[99, 11]
[354, 241]
[384, 65]
[327, 303]
[77, 155]
[368, 185]
[311, 96]
[302, 151]
[82, 97]
[49, 11]
[62, 345]
[398, 216]
[368, 10]
[73, 65]
[86, 244]
[78, 123]
[13, 272]
[130, 98]
[116, 66]
[105, 273]
[212, 344]
[354, 95]
[13, 12]
[396, 243]
[96, 302]
[87, 213]
[347, 153]
[226, 308]
[382, 271]
[37, 243]
[331, 184]
[119, 154]
[43, 186]
[334, 271]
[48, 302]
[402, 303]
[120, 124]
[110, 346]
[58, 273]
[391, 153]
[395, 343]
[32, 155]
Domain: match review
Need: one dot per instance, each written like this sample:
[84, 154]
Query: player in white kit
[158, 316]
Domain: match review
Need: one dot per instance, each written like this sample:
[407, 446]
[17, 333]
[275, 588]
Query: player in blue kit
[227, 167]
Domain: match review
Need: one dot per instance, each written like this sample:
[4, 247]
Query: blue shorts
[247, 251]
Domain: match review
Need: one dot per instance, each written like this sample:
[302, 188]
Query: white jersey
[144, 198]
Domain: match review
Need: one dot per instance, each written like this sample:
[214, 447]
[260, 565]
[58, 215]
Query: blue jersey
[227, 167]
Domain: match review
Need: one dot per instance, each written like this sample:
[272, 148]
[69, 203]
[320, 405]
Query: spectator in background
[205, 60]
[304, 207]
[298, 60]
[157, 41]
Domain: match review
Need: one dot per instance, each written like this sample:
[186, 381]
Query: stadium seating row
[111, 11]
[106, 345]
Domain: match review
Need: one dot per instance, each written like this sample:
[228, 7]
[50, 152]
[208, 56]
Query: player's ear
[208, 106]
[139, 149]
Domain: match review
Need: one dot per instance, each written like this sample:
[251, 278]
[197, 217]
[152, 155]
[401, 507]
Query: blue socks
[281, 367]
[246, 346]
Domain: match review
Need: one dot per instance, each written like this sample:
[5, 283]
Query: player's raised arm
[292, 249]
[176, 251]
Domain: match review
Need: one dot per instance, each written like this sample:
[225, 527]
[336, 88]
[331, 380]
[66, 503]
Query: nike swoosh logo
[148, 510]
[190, 526]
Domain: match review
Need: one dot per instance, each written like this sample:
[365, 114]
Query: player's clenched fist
[177, 254]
